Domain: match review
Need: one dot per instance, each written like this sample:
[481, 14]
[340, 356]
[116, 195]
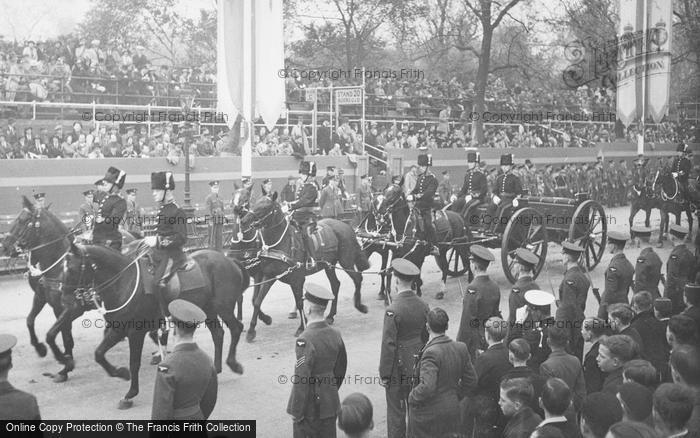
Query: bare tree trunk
[482, 77]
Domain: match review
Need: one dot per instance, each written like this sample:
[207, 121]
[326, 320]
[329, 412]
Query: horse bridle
[258, 222]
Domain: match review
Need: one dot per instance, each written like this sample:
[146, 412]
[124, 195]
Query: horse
[283, 257]
[374, 227]
[672, 200]
[643, 200]
[404, 220]
[116, 285]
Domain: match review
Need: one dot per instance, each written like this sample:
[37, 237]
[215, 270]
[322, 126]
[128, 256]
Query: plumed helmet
[162, 181]
[473, 157]
[507, 160]
[115, 176]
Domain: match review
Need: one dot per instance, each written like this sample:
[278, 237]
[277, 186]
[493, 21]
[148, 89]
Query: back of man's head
[685, 365]
[496, 329]
[621, 311]
[673, 407]
[556, 397]
[520, 349]
[642, 372]
[598, 412]
[683, 328]
[642, 301]
[438, 320]
[558, 336]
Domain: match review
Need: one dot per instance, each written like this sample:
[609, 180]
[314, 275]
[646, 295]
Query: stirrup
[310, 263]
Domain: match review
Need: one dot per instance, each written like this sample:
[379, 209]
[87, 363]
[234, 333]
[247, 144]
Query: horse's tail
[347, 244]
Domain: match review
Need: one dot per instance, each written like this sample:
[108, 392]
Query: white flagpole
[248, 87]
[645, 43]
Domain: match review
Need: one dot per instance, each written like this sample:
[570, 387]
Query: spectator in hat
[652, 331]
[621, 316]
[186, 384]
[355, 416]
[640, 371]
[445, 375]
[672, 408]
[614, 352]
[630, 429]
[647, 272]
[324, 138]
[680, 267]
[14, 404]
[564, 366]
[515, 401]
[681, 330]
[618, 276]
[555, 401]
[636, 402]
[685, 369]
[692, 302]
[598, 412]
[593, 330]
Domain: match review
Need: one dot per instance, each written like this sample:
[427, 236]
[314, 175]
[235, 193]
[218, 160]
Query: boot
[310, 262]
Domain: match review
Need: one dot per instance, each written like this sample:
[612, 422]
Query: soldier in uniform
[548, 181]
[623, 178]
[445, 188]
[186, 383]
[40, 200]
[480, 302]
[111, 209]
[618, 276]
[266, 188]
[474, 188]
[681, 168]
[610, 183]
[241, 206]
[508, 186]
[423, 194]
[14, 404]
[530, 180]
[526, 261]
[306, 200]
[86, 212]
[330, 174]
[680, 268]
[647, 272]
[215, 208]
[573, 293]
[171, 230]
[289, 191]
[364, 195]
[403, 337]
[561, 188]
[319, 370]
[133, 213]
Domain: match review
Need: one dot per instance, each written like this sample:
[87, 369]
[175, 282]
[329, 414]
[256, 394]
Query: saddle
[188, 278]
[321, 239]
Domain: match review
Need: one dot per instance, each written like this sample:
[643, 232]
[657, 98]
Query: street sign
[351, 96]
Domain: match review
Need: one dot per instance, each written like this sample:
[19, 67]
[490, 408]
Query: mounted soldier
[306, 200]
[423, 195]
[473, 190]
[242, 198]
[111, 209]
[681, 168]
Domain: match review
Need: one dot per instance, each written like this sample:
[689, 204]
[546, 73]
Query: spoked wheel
[589, 228]
[456, 260]
[525, 229]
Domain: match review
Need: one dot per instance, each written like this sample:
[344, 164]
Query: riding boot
[310, 262]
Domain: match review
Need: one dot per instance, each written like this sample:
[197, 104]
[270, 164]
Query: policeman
[171, 230]
[290, 189]
[647, 272]
[480, 302]
[508, 186]
[403, 337]
[618, 276]
[306, 200]
[14, 404]
[319, 370]
[526, 262]
[681, 167]
[86, 212]
[111, 209]
[215, 208]
[40, 200]
[133, 212]
[680, 268]
[474, 188]
[423, 194]
[186, 383]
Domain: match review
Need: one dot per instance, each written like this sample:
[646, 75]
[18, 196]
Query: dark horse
[672, 200]
[643, 199]
[99, 277]
[404, 221]
[375, 234]
[283, 257]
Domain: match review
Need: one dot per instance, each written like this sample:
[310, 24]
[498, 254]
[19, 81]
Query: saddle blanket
[323, 241]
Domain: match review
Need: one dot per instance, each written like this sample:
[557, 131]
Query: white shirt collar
[679, 434]
[546, 421]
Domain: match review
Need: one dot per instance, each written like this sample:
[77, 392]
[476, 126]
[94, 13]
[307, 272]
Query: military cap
[481, 163]
[678, 231]
[187, 312]
[131, 191]
[663, 305]
[527, 161]
[162, 181]
[692, 289]
[640, 231]
[307, 168]
[473, 157]
[571, 247]
[507, 160]
[266, 180]
[39, 195]
[405, 267]
[88, 192]
[214, 183]
[481, 253]
[341, 171]
[618, 237]
[526, 257]
[291, 177]
[317, 294]
[445, 172]
[425, 160]
[7, 342]
[330, 168]
[363, 176]
[245, 179]
[115, 176]
[537, 297]
[682, 147]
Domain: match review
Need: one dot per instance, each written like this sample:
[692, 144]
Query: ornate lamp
[186, 99]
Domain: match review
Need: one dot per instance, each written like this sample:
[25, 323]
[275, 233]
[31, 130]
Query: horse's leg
[38, 303]
[633, 212]
[262, 316]
[236, 328]
[217, 335]
[258, 298]
[63, 320]
[357, 281]
[382, 275]
[67, 336]
[335, 288]
[110, 339]
[388, 288]
[136, 339]
[647, 221]
[664, 224]
[297, 286]
[443, 268]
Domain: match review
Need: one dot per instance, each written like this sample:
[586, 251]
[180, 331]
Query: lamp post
[186, 97]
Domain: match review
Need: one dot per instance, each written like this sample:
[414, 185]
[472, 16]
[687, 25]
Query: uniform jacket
[680, 268]
[133, 216]
[568, 368]
[682, 165]
[480, 302]
[655, 348]
[618, 279]
[288, 193]
[592, 374]
[424, 191]
[186, 385]
[522, 424]
[574, 288]
[403, 337]
[516, 299]
[475, 184]
[86, 215]
[306, 197]
[320, 370]
[215, 205]
[508, 184]
[172, 227]
[647, 272]
[445, 191]
[16, 404]
[110, 214]
[330, 202]
[445, 374]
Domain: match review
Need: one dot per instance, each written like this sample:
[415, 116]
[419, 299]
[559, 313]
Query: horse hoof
[40, 349]
[330, 320]
[155, 359]
[69, 363]
[266, 319]
[60, 377]
[298, 332]
[381, 297]
[123, 373]
[250, 336]
[218, 369]
[440, 295]
[362, 308]
[235, 367]
[292, 315]
[125, 404]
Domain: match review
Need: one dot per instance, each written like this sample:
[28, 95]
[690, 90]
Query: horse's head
[262, 213]
[32, 227]
[392, 196]
[78, 270]
[92, 268]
